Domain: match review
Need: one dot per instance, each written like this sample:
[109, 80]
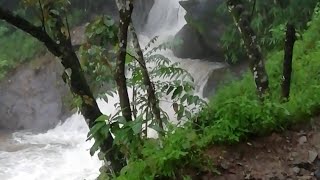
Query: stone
[305, 177]
[317, 174]
[192, 44]
[312, 155]
[296, 170]
[210, 23]
[225, 165]
[34, 98]
[294, 154]
[302, 140]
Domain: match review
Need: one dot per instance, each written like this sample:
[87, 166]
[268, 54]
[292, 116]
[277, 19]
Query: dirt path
[292, 155]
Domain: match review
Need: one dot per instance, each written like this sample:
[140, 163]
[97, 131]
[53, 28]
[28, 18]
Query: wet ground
[292, 155]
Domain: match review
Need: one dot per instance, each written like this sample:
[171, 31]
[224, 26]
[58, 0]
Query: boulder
[192, 45]
[31, 98]
[209, 24]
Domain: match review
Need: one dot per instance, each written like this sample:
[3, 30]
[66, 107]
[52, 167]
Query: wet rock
[294, 154]
[34, 98]
[304, 172]
[204, 17]
[317, 174]
[302, 140]
[192, 44]
[312, 155]
[225, 165]
[296, 170]
[305, 177]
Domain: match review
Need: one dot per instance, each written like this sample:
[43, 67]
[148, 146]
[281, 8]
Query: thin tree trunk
[242, 21]
[125, 11]
[287, 62]
[152, 98]
[78, 83]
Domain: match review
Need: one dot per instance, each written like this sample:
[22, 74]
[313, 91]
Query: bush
[16, 48]
[268, 21]
[235, 113]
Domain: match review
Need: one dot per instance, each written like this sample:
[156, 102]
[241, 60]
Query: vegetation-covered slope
[235, 113]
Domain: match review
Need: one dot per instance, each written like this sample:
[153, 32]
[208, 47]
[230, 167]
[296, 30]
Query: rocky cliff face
[205, 26]
[32, 96]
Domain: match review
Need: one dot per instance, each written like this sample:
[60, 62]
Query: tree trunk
[78, 83]
[152, 99]
[125, 11]
[287, 62]
[242, 21]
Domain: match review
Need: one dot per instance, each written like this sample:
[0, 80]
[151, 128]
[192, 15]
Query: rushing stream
[62, 152]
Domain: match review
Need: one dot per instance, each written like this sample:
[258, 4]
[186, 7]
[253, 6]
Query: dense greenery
[233, 114]
[13, 54]
[268, 19]
[236, 113]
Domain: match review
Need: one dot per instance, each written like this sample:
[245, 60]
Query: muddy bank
[292, 155]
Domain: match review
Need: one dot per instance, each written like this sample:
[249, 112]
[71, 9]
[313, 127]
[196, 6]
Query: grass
[16, 48]
[235, 114]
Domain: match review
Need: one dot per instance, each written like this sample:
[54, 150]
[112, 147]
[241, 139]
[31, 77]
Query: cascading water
[166, 18]
[62, 153]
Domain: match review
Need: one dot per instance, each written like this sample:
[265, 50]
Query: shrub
[235, 113]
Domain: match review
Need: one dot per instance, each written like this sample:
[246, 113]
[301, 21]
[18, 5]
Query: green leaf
[109, 93]
[190, 100]
[99, 29]
[155, 127]
[184, 98]
[170, 90]
[121, 119]
[93, 131]
[109, 22]
[95, 146]
[165, 87]
[102, 118]
[137, 127]
[177, 92]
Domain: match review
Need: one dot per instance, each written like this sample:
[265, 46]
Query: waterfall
[166, 17]
[62, 153]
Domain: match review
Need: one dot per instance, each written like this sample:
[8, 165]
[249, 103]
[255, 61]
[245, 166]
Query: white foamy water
[62, 153]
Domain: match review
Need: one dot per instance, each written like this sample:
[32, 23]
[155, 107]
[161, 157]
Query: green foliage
[268, 22]
[99, 132]
[170, 82]
[11, 54]
[235, 113]
[98, 53]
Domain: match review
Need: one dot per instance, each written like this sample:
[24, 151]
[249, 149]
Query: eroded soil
[291, 155]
